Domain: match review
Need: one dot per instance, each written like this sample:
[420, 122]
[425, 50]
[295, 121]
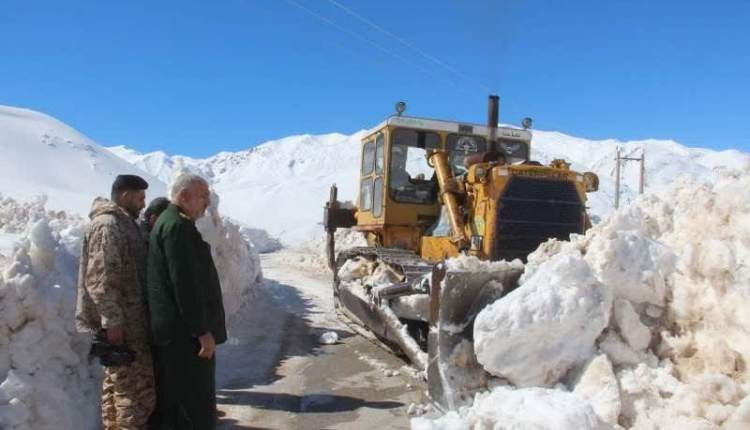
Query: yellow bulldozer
[431, 190]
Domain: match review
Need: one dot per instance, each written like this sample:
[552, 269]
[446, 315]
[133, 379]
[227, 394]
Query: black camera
[110, 355]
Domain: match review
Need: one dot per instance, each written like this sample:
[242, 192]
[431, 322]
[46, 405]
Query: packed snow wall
[46, 379]
[312, 255]
[642, 323]
[237, 261]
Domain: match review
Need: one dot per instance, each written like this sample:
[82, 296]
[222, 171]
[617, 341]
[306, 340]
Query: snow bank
[526, 408]
[47, 380]
[261, 241]
[645, 319]
[312, 256]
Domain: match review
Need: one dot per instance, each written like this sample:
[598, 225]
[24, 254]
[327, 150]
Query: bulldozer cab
[398, 190]
[396, 187]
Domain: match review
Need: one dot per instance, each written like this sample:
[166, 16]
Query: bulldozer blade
[380, 319]
[453, 374]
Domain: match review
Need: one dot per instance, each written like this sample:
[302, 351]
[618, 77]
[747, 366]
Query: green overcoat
[184, 294]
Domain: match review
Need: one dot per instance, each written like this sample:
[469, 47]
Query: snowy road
[276, 375]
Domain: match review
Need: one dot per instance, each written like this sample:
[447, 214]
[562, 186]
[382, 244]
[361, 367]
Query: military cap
[128, 183]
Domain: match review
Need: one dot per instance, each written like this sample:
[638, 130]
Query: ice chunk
[635, 333]
[450, 421]
[536, 333]
[329, 338]
[42, 247]
[634, 265]
[464, 263]
[355, 268]
[14, 415]
[15, 386]
[598, 385]
[618, 350]
[740, 419]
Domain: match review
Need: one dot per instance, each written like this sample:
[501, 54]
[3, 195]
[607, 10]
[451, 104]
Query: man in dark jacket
[186, 310]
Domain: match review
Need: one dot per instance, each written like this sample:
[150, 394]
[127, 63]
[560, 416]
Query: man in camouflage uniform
[110, 299]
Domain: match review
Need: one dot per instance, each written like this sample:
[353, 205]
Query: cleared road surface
[275, 374]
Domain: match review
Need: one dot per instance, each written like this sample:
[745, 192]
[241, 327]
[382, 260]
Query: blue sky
[198, 77]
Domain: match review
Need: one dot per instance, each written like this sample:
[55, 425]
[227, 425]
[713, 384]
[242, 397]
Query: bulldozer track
[369, 336]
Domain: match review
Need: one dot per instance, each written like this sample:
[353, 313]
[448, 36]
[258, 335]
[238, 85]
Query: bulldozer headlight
[400, 108]
[591, 181]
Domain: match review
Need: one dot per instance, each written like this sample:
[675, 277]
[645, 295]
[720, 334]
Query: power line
[344, 30]
[379, 47]
[409, 45]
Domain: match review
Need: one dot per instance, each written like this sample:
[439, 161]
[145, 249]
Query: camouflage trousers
[128, 392]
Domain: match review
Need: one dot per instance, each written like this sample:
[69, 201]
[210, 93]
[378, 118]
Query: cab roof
[452, 127]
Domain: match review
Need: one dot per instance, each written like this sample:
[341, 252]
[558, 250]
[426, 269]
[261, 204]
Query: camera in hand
[110, 355]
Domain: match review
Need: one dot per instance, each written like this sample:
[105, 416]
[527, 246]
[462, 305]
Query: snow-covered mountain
[41, 155]
[281, 185]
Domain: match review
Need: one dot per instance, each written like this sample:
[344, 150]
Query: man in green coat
[186, 310]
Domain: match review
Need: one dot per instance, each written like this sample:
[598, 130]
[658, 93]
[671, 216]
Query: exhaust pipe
[491, 154]
[493, 108]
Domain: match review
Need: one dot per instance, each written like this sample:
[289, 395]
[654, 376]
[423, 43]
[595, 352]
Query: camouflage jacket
[113, 263]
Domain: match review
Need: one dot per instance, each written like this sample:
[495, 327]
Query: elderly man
[186, 310]
[110, 301]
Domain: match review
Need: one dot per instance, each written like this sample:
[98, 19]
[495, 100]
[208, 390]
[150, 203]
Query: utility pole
[642, 182]
[642, 179]
[617, 179]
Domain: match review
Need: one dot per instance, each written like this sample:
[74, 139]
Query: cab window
[460, 147]
[371, 182]
[365, 195]
[514, 151]
[368, 155]
[411, 179]
[379, 151]
[377, 197]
